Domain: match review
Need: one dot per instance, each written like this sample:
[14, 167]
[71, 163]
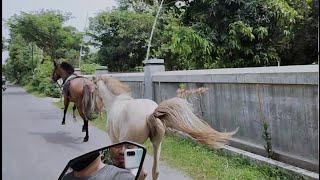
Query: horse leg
[85, 124]
[74, 111]
[66, 105]
[143, 174]
[86, 138]
[156, 139]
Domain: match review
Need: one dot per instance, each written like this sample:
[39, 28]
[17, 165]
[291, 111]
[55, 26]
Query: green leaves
[36, 37]
[41, 80]
[261, 32]
[123, 38]
[181, 46]
[45, 29]
[88, 68]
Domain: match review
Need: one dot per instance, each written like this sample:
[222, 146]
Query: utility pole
[85, 29]
[153, 27]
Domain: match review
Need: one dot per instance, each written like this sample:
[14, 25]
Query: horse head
[55, 73]
[61, 70]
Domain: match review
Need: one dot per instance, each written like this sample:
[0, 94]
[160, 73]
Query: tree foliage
[88, 69]
[181, 46]
[35, 40]
[19, 67]
[45, 29]
[122, 37]
[210, 33]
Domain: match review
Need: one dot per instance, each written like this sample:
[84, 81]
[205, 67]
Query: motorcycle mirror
[123, 160]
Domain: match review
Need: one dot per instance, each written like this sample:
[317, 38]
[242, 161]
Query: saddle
[66, 84]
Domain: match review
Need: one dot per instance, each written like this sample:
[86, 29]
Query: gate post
[151, 66]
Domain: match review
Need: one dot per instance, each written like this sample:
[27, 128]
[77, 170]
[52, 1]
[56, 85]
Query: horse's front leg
[66, 105]
[74, 112]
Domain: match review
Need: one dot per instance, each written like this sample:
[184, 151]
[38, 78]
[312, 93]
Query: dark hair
[67, 67]
[84, 161]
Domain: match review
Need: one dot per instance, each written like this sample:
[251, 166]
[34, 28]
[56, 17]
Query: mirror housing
[123, 158]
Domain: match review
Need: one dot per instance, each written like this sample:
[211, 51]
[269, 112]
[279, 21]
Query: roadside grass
[30, 90]
[200, 162]
[99, 122]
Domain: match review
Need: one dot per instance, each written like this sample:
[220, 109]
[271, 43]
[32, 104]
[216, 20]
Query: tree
[45, 29]
[181, 46]
[19, 67]
[304, 46]
[212, 33]
[244, 33]
[122, 37]
[4, 46]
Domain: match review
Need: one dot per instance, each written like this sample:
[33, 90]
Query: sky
[78, 8]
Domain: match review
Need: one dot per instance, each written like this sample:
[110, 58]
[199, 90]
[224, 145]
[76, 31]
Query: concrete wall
[99, 70]
[286, 97]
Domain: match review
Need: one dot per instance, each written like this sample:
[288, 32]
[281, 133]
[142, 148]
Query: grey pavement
[36, 146]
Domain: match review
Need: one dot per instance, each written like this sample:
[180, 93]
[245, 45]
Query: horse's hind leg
[74, 111]
[158, 131]
[85, 124]
[66, 105]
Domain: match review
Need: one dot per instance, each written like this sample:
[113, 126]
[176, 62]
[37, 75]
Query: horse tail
[178, 114]
[88, 102]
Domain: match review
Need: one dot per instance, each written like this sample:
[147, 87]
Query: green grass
[200, 162]
[30, 90]
[99, 122]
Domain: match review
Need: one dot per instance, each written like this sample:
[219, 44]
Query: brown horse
[80, 91]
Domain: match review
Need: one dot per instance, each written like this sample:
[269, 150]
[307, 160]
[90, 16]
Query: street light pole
[85, 29]
[153, 27]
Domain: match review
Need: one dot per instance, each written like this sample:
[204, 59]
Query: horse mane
[67, 67]
[116, 86]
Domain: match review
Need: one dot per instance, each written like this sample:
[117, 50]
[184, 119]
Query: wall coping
[250, 70]
[124, 76]
[301, 74]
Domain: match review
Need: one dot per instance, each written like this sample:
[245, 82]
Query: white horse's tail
[177, 113]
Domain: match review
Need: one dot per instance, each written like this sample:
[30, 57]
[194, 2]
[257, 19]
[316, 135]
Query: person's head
[83, 162]
[117, 154]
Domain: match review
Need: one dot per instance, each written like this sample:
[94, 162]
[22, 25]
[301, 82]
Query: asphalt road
[36, 146]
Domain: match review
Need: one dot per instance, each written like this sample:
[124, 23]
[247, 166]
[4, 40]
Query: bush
[88, 69]
[41, 81]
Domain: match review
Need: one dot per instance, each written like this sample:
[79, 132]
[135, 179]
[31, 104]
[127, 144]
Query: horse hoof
[155, 176]
[142, 176]
[85, 139]
[63, 123]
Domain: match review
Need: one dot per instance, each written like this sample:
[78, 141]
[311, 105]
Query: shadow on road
[60, 138]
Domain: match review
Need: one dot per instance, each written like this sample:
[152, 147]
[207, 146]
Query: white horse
[139, 119]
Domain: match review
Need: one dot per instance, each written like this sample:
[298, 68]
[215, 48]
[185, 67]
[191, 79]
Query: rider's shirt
[108, 172]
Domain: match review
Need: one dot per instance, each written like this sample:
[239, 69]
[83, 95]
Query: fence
[286, 97]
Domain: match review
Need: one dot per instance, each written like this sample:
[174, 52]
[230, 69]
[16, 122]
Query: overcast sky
[78, 8]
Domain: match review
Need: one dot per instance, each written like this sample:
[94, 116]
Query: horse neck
[64, 76]
[108, 97]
